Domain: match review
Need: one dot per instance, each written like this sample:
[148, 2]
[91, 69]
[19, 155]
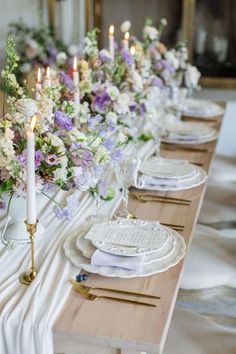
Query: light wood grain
[134, 329]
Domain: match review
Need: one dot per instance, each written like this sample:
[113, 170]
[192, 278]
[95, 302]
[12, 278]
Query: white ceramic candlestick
[31, 191]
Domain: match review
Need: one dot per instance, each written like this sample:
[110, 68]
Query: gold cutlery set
[84, 291]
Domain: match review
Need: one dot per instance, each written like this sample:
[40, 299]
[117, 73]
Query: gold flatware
[205, 120]
[173, 226]
[131, 293]
[167, 197]
[92, 297]
[156, 199]
[197, 163]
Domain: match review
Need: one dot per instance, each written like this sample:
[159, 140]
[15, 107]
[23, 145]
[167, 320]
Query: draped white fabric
[28, 313]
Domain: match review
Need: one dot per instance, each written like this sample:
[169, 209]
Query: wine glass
[126, 173]
[99, 175]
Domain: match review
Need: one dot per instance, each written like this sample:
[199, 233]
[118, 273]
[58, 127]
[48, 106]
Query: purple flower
[38, 158]
[58, 212]
[101, 101]
[108, 144]
[104, 56]
[102, 189]
[133, 107]
[156, 81]
[67, 81]
[116, 155]
[142, 109]
[63, 121]
[51, 159]
[127, 57]
[22, 158]
[92, 122]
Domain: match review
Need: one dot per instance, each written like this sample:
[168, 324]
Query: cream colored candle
[38, 85]
[126, 41]
[76, 81]
[112, 42]
[30, 173]
[47, 80]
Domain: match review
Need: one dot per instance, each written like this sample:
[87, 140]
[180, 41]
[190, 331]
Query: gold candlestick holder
[27, 277]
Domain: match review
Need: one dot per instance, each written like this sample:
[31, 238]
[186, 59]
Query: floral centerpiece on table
[64, 155]
[38, 47]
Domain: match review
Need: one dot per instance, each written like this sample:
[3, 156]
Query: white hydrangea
[150, 32]
[84, 112]
[113, 92]
[25, 68]
[192, 76]
[112, 117]
[125, 26]
[137, 80]
[61, 58]
[26, 106]
[61, 173]
[172, 58]
[122, 104]
[54, 140]
[73, 50]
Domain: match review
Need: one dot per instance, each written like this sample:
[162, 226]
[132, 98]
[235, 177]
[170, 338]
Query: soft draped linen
[27, 314]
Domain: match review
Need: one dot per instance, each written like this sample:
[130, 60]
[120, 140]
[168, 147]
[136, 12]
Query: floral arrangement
[65, 155]
[38, 47]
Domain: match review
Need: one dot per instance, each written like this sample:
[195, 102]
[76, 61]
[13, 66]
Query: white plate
[150, 183]
[202, 109]
[87, 249]
[167, 168]
[125, 237]
[161, 265]
[189, 133]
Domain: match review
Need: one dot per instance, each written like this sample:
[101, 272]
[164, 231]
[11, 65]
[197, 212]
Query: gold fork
[88, 288]
[157, 199]
[92, 297]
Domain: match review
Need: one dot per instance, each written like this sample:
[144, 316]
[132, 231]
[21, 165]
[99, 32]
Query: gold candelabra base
[27, 277]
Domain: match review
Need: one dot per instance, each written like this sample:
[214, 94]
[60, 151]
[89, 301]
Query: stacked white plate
[163, 174]
[201, 109]
[188, 133]
[125, 248]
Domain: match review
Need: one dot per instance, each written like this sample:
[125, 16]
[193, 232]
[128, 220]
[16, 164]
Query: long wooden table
[106, 327]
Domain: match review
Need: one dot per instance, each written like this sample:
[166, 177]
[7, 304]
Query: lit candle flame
[75, 64]
[111, 30]
[32, 123]
[48, 73]
[39, 76]
[132, 50]
[126, 36]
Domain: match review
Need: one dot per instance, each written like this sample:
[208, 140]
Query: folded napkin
[100, 258]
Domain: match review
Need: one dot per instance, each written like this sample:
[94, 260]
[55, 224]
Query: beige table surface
[102, 326]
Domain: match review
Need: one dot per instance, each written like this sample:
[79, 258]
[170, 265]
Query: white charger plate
[202, 109]
[161, 265]
[167, 168]
[87, 249]
[199, 178]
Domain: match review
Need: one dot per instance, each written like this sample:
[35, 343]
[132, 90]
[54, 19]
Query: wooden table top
[112, 327]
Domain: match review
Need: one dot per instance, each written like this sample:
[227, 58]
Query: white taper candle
[31, 191]
[112, 42]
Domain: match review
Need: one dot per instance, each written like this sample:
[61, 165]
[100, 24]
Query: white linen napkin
[100, 258]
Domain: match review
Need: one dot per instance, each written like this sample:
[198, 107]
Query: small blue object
[81, 277]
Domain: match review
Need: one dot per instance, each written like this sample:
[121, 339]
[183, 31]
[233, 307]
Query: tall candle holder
[27, 277]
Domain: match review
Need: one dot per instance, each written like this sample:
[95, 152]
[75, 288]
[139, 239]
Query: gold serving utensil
[92, 297]
[131, 293]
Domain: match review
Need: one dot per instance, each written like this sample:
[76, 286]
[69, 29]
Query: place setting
[201, 109]
[125, 248]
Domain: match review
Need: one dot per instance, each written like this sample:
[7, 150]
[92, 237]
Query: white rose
[73, 50]
[171, 57]
[57, 142]
[113, 92]
[27, 107]
[61, 173]
[25, 68]
[137, 80]
[164, 22]
[61, 58]
[122, 104]
[192, 76]
[125, 26]
[150, 32]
